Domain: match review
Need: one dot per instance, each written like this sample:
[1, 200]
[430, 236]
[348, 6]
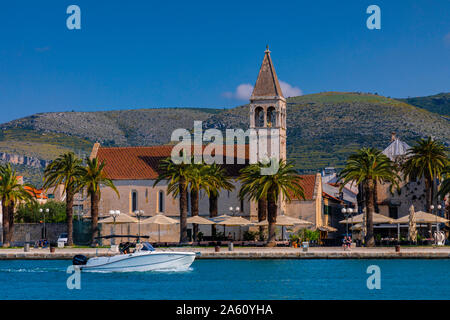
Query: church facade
[135, 169]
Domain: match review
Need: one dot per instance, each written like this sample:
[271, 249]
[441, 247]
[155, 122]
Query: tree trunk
[69, 216]
[194, 211]
[375, 197]
[183, 210]
[11, 223]
[94, 215]
[213, 202]
[5, 224]
[262, 215]
[370, 208]
[428, 194]
[272, 219]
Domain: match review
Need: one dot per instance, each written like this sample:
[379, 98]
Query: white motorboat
[144, 258]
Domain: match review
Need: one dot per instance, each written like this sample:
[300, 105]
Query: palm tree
[177, 176]
[285, 183]
[11, 193]
[367, 167]
[217, 180]
[94, 177]
[444, 187]
[66, 170]
[427, 159]
[197, 179]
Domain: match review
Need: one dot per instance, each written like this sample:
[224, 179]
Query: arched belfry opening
[271, 117]
[259, 117]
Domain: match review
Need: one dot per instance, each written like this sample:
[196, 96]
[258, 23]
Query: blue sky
[137, 54]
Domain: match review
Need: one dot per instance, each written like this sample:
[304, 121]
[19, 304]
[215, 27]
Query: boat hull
[138, 262]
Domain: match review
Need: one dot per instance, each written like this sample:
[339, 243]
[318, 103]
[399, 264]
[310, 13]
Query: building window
[242, 205]
[393, 212]
[134, 201]
[161, 201]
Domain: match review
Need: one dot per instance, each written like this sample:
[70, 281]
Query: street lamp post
[139, 214]
[114, 214]
[233, 213]
[344, 211]
[44, 211]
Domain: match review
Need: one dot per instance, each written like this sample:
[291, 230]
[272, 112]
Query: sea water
[233, 279]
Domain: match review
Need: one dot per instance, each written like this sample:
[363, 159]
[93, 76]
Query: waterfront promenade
[249, 253]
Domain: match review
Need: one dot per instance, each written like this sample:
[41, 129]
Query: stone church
[134, 170]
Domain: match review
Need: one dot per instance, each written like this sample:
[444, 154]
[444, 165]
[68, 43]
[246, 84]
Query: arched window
[161, 201]
[259, 117]
[134, 201]
[271, 117]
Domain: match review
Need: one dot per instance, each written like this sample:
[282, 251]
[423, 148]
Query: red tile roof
[308, 182]
[141, 163]
[37, 193]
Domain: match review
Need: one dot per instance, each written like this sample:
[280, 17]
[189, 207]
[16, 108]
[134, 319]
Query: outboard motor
[79, 260]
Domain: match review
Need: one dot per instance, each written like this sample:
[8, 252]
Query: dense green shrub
[29, 212]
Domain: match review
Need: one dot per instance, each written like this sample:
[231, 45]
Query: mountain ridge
[323, 128]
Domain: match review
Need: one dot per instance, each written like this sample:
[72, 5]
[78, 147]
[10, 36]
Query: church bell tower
[268, 107]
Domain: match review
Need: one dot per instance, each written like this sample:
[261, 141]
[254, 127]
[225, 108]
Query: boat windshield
[147, 247]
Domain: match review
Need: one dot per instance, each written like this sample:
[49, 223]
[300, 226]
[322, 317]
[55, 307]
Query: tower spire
[267, 84]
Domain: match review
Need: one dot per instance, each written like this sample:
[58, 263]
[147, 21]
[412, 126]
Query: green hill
[323, 128]
[438, 103]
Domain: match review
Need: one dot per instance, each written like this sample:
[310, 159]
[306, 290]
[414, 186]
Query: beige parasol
[235, 221]
[327, 229]
[283, 220]
[220, 218]
[422, 217]
[199, 220]
[377, 219]
[159, 219]
[120, 219]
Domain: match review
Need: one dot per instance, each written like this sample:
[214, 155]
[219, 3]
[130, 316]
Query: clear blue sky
[136, 54]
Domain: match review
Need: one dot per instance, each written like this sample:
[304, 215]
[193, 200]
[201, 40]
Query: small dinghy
[144, 258]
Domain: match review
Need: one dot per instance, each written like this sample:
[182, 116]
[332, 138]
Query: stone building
[134, 170]
[396, 204]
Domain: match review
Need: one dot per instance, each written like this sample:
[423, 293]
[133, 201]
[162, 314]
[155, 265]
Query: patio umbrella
[221, 218]
[412, 230]
[160, 219]
[377, 219]
[235, 222]
[119, 219]
[199, 220]
[327, 228]
[422, 217]
[284, 221]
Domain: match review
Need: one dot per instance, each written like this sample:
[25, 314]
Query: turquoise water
[234, 279]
